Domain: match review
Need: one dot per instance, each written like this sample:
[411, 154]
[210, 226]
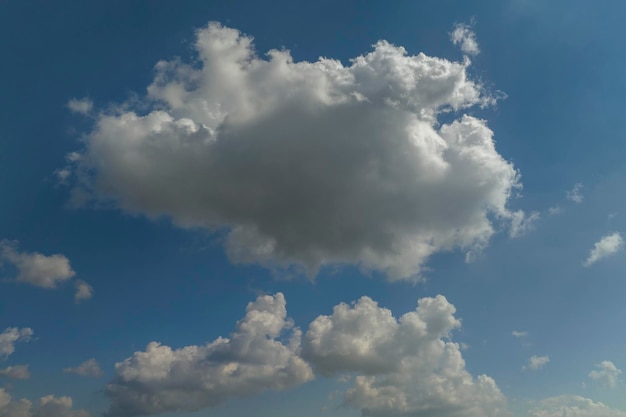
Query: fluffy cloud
[519, 334]
[10, 336]
[463, 36]
[607, 246]
[407, 367]
[16, 372]
[48, 406]
[80, 105]
[573, 406]
[307, 163]
[88, 368]
[162, 379]
[536, 362]
[575, 194]
[36, 269]
[607, 374]
[84, 291]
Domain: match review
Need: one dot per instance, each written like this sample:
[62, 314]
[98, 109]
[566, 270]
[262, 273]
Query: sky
[332, 208]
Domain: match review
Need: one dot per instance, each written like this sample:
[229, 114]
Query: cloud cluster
[305, 164]
[88, 368]
[607, 246]
[607, 374]
[254, 359]
[48, 406]
[573, 406]
[404, 366]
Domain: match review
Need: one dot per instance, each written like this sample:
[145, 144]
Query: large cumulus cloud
[162, 379]
[307, 163]
[405, 366]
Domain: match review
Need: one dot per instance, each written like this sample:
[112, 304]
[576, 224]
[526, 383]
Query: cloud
[305, 164]
[605, 247]
[464, 36]
[554, 210]
[519, 334]
[254, 359]
[88, 368]
[607, 374]
[575, 194]
[573, 406]
[406, 366]
[16, 372]
[36, 269]
[48, 406]
[536, 362]
[10, 336]
[84, 291]
[80, 105]
[522, 223]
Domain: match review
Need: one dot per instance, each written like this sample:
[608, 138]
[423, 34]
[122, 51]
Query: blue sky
[166, 178]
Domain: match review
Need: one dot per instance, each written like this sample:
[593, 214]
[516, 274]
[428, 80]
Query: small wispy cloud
[88, 368]
[519, 334]
[605, 247]
[607, 374]
[536, 362]
[80, 105]
[575, 194]
[465, 37]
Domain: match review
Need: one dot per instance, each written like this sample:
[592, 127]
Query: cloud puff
[80, 105]
[36, 269]
[10, 336]
[575, 194]
[607, 374]
[88, 368]
[573, 406]
[519, 334]
[16, 372]
[48, 406]
[307, 164]
[464, 36]
[162, 379]
[84, 291]
[407, 367]
[605, 247]
[536, 362]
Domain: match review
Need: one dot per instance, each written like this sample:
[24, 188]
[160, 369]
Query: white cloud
[605, 247]
[575, 194]
[84, 291]
[36, 269]
[162, 379]
[607, 374]
[88, 368]
[554, 210]
[519, 334]
[464, 36]
[573, 406]
[522, 223]
[10, 336]
[48, 406]
[80, 105]
[308, 163]
[407, 367]
[16, 372]
[536, 362]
